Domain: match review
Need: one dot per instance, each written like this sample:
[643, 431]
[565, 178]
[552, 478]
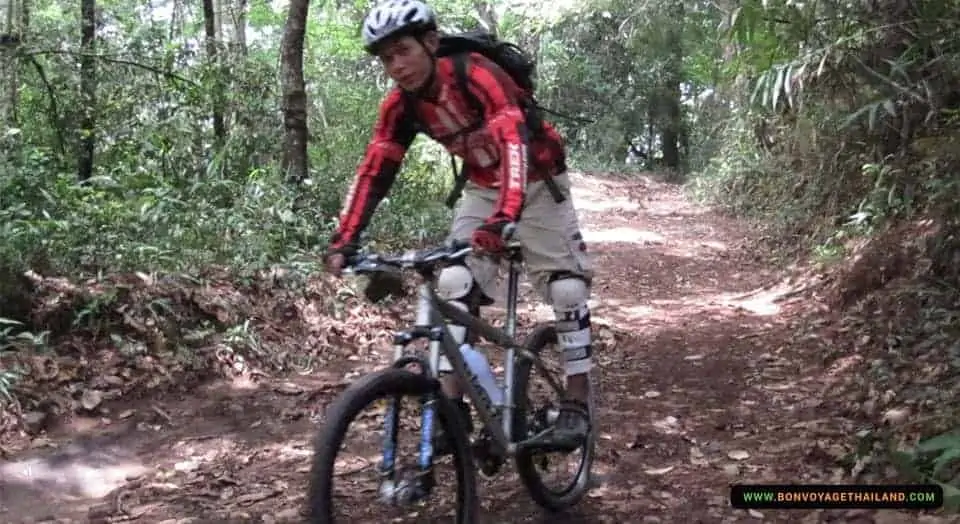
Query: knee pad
[455, 283]
[569, 296]
[568, 291]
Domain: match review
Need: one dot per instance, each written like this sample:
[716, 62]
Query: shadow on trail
[218, 439]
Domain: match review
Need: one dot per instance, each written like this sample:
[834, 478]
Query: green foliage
[828, 101]
[12, 340]
[934, 460]
[165, 194]
[610, 62]
[771, 93]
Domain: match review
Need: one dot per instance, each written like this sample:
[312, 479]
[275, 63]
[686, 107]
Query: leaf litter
[208, 391]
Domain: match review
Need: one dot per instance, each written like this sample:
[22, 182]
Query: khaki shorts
[548, 232]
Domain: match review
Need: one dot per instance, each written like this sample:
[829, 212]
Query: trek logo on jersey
[517, 168]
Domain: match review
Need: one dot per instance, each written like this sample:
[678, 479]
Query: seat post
[515, 259]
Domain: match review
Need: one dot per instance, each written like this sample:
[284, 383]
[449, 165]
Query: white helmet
[394, 18]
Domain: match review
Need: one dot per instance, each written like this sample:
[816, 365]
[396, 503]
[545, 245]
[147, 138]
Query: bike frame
[431, 323]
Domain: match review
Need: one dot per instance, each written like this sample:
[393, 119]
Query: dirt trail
[701, 385]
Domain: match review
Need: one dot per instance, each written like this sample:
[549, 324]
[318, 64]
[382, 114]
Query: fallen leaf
[288, 514]
[659, 471]
[250, 498]
[91, 399]
[186, 465]
[138, 511]
[697, 457]
[732, 470]
[288, 388]
[896, 415]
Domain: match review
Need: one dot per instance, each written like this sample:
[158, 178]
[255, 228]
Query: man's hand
[489, 238]
[334, 262]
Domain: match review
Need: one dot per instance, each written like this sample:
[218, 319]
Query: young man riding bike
[507, 167]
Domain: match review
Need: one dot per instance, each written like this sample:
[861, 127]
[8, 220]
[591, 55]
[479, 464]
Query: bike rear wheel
[525, 423]
[387, 383]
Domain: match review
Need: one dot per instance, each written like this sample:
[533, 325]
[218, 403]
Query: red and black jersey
[497, 154]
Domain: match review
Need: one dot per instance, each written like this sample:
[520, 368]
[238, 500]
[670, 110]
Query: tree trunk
[651, 131]
[210, 26]
[487, 15]
[88, 88]
[240, 27]
[15, 29]
[295, 162]
[240, 121]
[673, 123]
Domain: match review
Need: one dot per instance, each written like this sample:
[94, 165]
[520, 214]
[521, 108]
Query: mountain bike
[516, 429]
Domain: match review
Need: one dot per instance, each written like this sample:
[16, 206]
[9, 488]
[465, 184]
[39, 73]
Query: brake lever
[363, 264]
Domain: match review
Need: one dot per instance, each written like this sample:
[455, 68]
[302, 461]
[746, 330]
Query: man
[505, 168]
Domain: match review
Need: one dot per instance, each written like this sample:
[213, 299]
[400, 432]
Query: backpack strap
[460, 179]
[459, 182]
[460, 71]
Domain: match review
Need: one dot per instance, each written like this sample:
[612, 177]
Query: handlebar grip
[506, 234]
[351, 260]
[457, 245]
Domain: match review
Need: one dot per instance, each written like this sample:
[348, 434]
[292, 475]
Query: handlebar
[419, 260]
[411, 259]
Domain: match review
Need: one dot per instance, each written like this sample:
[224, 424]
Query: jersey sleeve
[392, 135]
[500, 97]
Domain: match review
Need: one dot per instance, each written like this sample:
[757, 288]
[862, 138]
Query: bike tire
[350, 403]
[546, 498]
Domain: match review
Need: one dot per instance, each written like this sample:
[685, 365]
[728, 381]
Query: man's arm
[392, 135]
[505, 121]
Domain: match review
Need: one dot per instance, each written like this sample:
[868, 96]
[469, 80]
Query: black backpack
[516, 63]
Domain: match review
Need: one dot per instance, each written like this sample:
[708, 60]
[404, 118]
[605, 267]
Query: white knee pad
[569, 293]
[454, 284]
[569, 299]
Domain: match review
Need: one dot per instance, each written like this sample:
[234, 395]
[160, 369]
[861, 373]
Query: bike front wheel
[535, 405]
[395, 383]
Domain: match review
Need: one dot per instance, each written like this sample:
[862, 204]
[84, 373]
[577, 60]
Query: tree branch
[54, 111]
[110, 60]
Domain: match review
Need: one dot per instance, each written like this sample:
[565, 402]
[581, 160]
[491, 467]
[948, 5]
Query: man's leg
[557, 260]
[466, 287]
[568, 297]
[456, 286]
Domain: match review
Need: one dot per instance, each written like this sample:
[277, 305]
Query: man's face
[407, 61]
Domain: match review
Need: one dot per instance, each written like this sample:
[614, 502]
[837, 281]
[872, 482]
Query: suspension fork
[391, 416]
[422, 329]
